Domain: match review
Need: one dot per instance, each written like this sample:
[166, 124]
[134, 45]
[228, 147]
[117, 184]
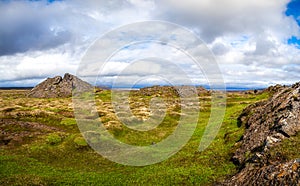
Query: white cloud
[249, 38]
[32, 67]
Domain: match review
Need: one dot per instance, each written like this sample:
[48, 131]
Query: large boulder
[59, 87]
[267, 124]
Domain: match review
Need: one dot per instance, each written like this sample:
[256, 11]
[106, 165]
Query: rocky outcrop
[59, 87]
[171, 91]
[266, 124]
[278, 174]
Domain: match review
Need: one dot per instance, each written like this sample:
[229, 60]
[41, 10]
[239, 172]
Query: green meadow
[42, 145]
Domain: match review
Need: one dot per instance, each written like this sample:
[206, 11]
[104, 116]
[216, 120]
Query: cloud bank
[251, 39]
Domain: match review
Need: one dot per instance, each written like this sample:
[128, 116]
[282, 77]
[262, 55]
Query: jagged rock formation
[266, 124]
[59, 87]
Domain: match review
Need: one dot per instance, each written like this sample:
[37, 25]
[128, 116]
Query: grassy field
[41, 144]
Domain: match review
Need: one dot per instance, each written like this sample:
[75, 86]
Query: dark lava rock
[266, 124]
[59, 87]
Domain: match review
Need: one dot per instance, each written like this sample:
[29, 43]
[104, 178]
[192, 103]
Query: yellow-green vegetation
[53, 139]
[80, 142]
[287, 150]
[68, 121]
[57, 154]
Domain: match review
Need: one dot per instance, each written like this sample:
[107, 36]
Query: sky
[256, 43]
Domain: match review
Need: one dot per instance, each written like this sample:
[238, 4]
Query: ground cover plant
[40, 143]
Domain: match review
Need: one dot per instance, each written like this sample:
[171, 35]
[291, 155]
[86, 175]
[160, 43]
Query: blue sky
[293, 9]
[256, 43]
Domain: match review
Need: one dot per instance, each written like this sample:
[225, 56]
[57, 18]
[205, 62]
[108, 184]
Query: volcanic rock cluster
[267, 124]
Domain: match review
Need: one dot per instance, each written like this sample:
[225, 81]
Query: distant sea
[16, 88]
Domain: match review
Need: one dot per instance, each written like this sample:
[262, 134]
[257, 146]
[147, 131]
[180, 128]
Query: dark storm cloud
[26, 27]
[30, 36]
[40, 25]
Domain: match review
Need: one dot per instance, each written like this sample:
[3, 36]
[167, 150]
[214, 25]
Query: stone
[171, 91]
[59, 87]
[266, 124]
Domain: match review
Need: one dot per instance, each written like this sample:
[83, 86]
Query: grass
[287, 149]
[68, 121]
[62, 157]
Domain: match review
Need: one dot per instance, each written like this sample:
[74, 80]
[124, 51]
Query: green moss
[68, 121]
[105, 95]
[80, 142]
[54, 139]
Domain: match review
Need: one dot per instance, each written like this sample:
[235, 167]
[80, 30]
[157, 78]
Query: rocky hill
[59, 87]
[171, 91]
[267, 124]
